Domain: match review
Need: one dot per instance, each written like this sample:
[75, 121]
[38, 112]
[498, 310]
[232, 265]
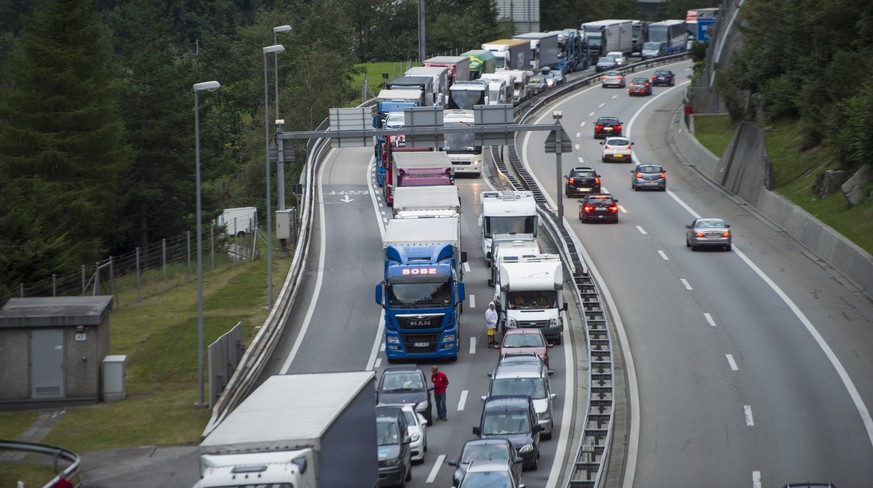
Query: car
[549, 77]
[417, 429]
[560, 77]
[616, 149]
[612, 78]
[620, 60]
[599, 207]
[581, 180]
[605, 63]
[394, 120]
[607, 126]
[663, 77]
[708, 232]
[649, 175]
[536, 84]
[512, 417]
[652, 49]
[531, 379]
[392, 446]
[517, 341]
[525, 358]
[640, 86]
[490, 474]
[492, 449]
[406, 384]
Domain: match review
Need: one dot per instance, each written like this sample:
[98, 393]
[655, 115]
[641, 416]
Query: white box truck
[530, 291]
[304, 430]
[509, 54]
[506, 212]
[238, 221]
[413, 202]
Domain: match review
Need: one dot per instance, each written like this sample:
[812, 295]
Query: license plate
[618, 155]
[600, 210]
[420, 344]
[608, 129]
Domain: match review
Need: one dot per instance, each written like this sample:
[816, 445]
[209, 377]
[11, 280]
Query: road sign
[566, 145]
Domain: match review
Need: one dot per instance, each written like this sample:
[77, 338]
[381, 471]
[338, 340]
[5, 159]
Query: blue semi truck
[422, 288]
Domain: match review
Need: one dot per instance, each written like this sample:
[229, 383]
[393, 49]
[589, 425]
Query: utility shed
[51, 350]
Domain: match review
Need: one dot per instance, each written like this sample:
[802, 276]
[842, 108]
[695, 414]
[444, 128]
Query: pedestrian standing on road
[62, 481]
[491, 324]
[440, 382]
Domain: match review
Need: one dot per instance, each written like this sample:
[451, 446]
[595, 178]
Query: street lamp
[198, 87]
[275, 48]
[280, 162]
[557, 115]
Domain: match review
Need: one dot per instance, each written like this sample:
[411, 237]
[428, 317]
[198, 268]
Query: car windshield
[663, 73]
[607, 121]
[532, 387]
[395, 120]
[649, 169]
[651, 46]
[640, 81]
[402, 381]
[387, 433]
[599, 201]
[606, 60]
[710, 224]
[487, 479]
[617, 141]
[523, 340]
[483, 452]
[501, 423]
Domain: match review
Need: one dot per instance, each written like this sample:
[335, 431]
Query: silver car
[649, 176]
[616, 149]
[708, 232]
[417, 430]
[612, 78]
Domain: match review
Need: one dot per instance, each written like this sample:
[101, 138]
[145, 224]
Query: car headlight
[544, 416]
[397, 461]
[449, 338]
[526, 449]
[415, 437]
[512, 323]
[554, 322]
[392, 340]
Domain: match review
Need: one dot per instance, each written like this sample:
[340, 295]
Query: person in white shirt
[491, 324]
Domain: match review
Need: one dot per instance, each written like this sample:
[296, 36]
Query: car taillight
[726, 233]
[698, 234]
[654, 77]
[639, 175]
[597, 180]
[570, 181]
[598, 127]
[617, 127]
[663, 175]
[603, 78]
[647, 83]
[628, 148]
[613, 208]
[606, 146]
[587, 208]
[620, 77]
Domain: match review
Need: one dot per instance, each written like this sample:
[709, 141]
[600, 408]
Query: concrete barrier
[742, 172]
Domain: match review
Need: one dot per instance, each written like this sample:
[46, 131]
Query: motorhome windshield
[527, 300]
[510, 225]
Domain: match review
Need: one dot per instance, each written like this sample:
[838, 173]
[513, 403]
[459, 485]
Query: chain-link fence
[148, 270]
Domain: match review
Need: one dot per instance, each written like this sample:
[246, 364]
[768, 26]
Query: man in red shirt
[440, 382]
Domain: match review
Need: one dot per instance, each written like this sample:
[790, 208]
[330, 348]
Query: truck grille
[418, 343]
[422, 321]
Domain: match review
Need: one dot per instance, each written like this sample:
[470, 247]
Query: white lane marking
[663, 255]
[577, 145]
[590, 115]
[835, 362]
[756, 479]
[731, 362]
[381, 346]
[463, 400]
[473, 345]
[578, 135]
[377, 363]
[466, 267]
[642, 231]
[601, 105]
[623, 210]
[747, 412]
[709, 319]
[472, 301]
[436, 468]
[580, 159]
[614, 97]
[686, 284]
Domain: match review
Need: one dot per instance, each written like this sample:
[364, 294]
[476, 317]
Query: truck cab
[461, 147]
[506, 212]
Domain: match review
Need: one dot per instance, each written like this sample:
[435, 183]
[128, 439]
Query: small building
[52, 350]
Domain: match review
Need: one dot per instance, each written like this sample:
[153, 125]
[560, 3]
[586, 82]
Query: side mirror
[464, 255]
[461, 292]
[564, 307]
[553, 396]
[688, 226]
[453, 462]
[379, 295]
[483, 397]
[477, 431]
[490, 282]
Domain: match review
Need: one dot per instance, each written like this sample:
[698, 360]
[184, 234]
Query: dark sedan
[476, 450]
[663, 77]
[640, 86]
[607, 126]
[600, 207]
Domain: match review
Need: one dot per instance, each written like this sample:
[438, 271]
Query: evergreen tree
[62, 153]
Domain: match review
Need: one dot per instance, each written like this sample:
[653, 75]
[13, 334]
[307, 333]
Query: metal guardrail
[57, 453]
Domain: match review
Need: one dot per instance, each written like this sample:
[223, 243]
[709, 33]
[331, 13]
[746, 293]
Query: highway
[752, 367]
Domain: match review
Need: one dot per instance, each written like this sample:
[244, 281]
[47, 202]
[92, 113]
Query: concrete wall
[14, 373]
[742, 171]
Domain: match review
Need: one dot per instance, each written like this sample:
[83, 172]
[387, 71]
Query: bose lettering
[419, 271]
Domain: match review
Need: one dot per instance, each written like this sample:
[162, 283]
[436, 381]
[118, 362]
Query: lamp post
[557, 114]
[198, 87]
[275, 48]
[280, 162]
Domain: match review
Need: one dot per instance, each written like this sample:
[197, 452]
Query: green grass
[714, 131]
[159, 337]
[795, 171]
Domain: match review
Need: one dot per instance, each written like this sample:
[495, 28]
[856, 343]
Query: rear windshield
[649, 169]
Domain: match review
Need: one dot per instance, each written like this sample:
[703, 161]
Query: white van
[239, 221]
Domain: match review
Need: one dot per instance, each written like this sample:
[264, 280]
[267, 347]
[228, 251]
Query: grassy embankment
[795, 172]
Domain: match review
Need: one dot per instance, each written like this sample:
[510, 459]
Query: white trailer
[440, 76]
[506, 212]
[295, 430]
[509, 54]
[432, 231]
[238, 221]
[543, 49]
[412, 202]
[605, 36]
[529, 290]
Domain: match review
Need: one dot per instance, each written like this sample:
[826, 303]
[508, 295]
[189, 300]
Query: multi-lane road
[746, 368]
